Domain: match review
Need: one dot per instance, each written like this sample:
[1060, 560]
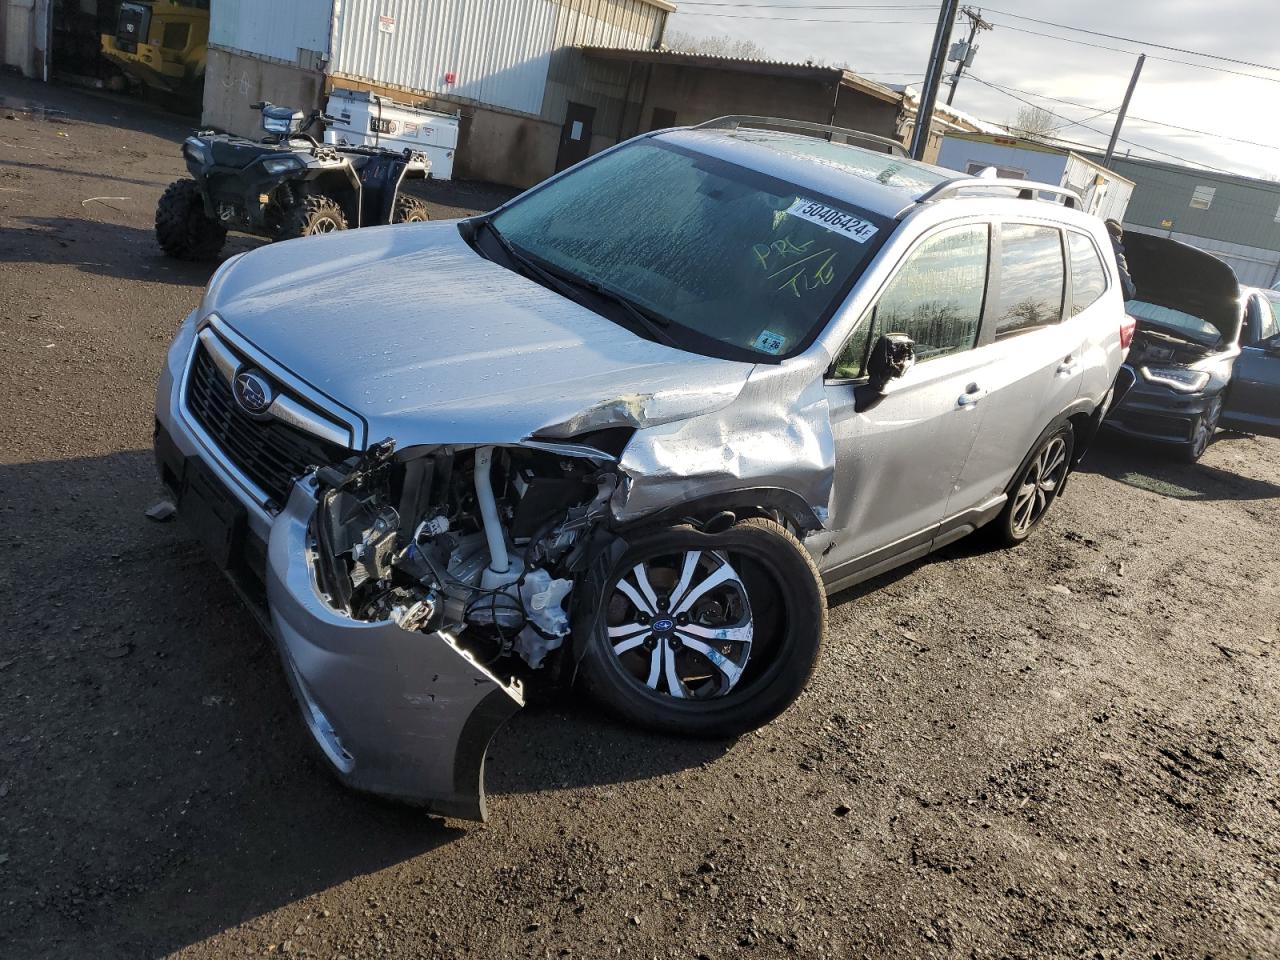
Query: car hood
[428, 342]
[1172, 274]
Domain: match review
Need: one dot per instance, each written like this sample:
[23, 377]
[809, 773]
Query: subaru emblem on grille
[253, 392]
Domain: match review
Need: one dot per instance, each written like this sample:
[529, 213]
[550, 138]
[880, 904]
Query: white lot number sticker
[835, 220]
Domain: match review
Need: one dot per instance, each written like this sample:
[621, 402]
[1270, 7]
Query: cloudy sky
[896, 48]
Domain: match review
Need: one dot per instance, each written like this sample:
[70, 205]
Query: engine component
[372, 555]
[498, 563]
[548, 625]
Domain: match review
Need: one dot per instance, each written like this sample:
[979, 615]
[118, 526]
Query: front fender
[397, 713]
[776, 436]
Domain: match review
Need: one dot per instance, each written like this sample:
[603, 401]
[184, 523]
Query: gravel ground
[1068, 749]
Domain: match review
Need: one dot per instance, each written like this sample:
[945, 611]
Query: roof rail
[802, 126]
[1025, 189]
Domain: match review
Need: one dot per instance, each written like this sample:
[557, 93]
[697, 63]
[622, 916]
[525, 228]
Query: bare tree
[1034, 123]
[721, 46]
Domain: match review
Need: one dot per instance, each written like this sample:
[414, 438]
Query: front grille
[269, 452]
[1154, 425]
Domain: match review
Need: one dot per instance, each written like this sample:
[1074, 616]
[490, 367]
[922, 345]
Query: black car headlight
[278, 165]
[1182, 379]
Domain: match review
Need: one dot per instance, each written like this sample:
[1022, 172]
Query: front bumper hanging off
[398, 713]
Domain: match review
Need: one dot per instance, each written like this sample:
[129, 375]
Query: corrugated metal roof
[781, 68]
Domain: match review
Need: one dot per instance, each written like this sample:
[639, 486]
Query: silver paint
[413, 712]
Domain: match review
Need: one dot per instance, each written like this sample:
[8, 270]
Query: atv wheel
[183, 229]
[315, 215]
[410, 210]
[706, 634]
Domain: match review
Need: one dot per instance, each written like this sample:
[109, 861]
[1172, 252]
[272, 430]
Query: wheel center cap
[663, 625]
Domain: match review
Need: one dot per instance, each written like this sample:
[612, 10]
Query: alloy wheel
[1206, 428]
[1040, 483]
[323, 225]
[681, 625]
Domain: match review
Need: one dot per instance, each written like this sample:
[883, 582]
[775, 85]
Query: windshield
[736, 264]
[1174, 321]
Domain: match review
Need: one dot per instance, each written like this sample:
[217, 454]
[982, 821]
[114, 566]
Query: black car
[1206, 352]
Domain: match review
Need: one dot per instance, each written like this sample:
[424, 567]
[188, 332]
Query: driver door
[1253, 399]
[899, 452]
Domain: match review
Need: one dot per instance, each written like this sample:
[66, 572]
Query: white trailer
[357, 118]
[1106, 194]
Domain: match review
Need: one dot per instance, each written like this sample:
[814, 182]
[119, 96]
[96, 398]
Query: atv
[286, 186]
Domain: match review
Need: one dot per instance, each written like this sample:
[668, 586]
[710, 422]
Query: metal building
[513, 68]
[1235, 218]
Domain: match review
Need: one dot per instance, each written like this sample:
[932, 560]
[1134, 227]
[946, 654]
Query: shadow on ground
[107, 249]
[191, 801]
[1154, 469]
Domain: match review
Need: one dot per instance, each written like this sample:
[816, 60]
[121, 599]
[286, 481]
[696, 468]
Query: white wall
[275, 29]
[957, 153]
[497, 51]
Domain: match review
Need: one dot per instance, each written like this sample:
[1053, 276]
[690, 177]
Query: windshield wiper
[653, 324]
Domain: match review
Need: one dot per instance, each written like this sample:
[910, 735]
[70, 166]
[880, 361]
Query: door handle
[1068, 367]
[972, 394]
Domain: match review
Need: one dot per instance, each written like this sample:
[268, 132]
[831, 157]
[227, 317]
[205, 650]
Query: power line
[1144, 43]
[1156, 123]
[1103, 133]
[1131, 53]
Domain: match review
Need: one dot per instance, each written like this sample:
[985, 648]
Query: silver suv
[627, 431]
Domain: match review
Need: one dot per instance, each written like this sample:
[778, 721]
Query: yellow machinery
[161, 43]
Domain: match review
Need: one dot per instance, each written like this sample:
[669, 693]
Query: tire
[766, 603]
[1206, 427]
[183, 229]
[1036, 487]
[410, 210]
[314, 216]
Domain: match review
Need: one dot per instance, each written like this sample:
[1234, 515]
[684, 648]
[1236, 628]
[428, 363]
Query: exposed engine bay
[1152, 346]
[483, 543]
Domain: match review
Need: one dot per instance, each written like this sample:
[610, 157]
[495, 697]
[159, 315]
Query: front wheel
[315, 215]
[183, 229]
[1036, 487]
[1206, 427]
[707, 635]
[410, 210]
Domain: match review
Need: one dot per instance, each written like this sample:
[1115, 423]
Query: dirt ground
[1068, 749]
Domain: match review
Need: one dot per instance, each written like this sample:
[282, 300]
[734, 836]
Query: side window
[935, 298]
[1088, 277]
[1270, 325]
[1032, 279]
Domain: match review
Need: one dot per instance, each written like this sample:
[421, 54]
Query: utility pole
[976, 23]
[933, 79]
[1124, 108]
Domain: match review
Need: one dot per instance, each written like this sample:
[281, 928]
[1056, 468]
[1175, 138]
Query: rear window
[1088, 276]
[1032, 279]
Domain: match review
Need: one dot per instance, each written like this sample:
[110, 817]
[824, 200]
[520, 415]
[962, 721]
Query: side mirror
[891, 357]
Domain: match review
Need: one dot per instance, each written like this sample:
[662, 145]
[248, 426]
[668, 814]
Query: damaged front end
[413, 592]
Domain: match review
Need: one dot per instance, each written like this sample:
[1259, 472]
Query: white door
[19, 36]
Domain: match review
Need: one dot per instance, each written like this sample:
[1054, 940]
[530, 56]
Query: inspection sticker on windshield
[837, 221]
[770, 342]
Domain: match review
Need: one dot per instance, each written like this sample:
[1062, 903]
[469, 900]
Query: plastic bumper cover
[397, 713]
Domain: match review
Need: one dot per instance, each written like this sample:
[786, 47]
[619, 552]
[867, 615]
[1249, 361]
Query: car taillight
[1127, 326]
